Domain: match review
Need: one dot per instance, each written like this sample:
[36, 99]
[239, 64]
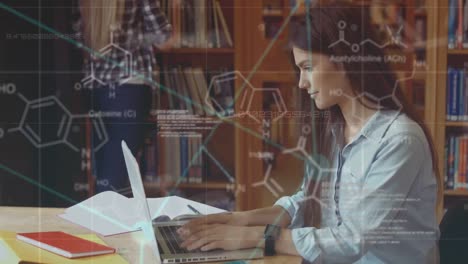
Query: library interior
[234, 131]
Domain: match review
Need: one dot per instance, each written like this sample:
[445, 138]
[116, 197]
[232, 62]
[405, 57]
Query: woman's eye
[308, 68]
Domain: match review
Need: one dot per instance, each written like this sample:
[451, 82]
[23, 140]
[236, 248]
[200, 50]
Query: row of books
[456, 169]
[457, 94]
[173, 158]
[198, 23]
[187, 89]
[458, 24]
[182, 157]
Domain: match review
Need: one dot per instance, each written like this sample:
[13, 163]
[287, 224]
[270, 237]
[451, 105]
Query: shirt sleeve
[156, 27]
[294, 204]
[393, 171]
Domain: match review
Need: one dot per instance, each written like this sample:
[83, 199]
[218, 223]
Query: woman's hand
[235, 218]
[221, 236]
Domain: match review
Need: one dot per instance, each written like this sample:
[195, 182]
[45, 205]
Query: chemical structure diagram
[301, 143]
[65, 125]
[271, 184]
[395, 38]
[224, 81]
[379, 102]
[109, 53]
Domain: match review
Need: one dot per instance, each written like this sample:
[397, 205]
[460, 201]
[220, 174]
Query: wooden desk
[27, 219]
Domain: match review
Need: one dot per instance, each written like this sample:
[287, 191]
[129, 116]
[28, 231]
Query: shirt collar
[376, 127]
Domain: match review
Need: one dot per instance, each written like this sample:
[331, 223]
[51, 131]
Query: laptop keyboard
[173, 240]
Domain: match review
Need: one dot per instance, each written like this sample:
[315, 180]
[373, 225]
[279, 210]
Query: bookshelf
[462, 193]
[457, 52]
[199, 51]
[260, 54]
[276, 71]
[443, 128]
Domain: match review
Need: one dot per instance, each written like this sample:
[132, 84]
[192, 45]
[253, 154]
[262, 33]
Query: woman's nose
[303, 83]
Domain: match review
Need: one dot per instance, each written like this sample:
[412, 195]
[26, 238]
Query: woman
[119, 36]
[380, 206]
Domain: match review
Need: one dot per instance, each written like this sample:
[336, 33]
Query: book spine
[216, 26]
[461, 95]
[466, 91]
[449, 94]
[190, 160]
[465, 160]
[455, 95]
[460, 25]
[183, 159]
[202, 162]
[227, 33]
[446, 151]
[460, 163]
[451, 163]
[453, 88]
[452, 22]
[465, 25]
[456, 175]
[463, 157]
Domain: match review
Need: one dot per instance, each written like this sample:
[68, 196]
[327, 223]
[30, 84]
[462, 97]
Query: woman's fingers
[187, 231]
[194, 224]
[211, 245]
[201, 242]
[200, 237]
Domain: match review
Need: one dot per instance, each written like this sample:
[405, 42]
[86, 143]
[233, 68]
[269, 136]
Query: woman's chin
[320, 105]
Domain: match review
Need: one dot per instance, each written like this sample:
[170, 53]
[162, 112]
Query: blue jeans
[130, 110]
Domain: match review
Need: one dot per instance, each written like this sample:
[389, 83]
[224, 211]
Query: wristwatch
[271, 234]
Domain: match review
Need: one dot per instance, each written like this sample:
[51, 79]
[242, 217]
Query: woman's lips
[312, 94]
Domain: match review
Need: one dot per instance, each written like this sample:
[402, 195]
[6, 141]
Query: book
[450, 163]
[465, 25]
[13, 251]
[457, 94]
[222, 19]
[194, 91]
[460, 25]
[202, 86]
[465, 99]
[110, 213]
[64, 244]
[455, 163]
[461, 95]
[216, 25]
[452, 24]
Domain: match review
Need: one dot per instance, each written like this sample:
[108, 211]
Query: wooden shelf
[457, 51]
[420, 13]
[456, 123]
[205, 185]
[456, 193]
[198, 51]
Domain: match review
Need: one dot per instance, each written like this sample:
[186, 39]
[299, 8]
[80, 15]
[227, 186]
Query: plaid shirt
[130, 52]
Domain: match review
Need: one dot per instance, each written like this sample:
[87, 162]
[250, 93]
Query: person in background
[378, 202]
[122, 91]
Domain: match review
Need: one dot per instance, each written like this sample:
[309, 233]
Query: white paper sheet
[109, 213]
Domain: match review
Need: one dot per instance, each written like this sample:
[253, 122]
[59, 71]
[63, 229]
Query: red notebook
[64, 244]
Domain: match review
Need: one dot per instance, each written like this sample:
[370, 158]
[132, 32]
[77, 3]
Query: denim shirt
[379, 202]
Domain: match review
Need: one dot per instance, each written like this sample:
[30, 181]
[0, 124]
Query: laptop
[164, 240]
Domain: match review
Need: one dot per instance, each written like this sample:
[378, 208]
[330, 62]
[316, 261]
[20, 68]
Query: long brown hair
[317, 31]
[99, 18]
